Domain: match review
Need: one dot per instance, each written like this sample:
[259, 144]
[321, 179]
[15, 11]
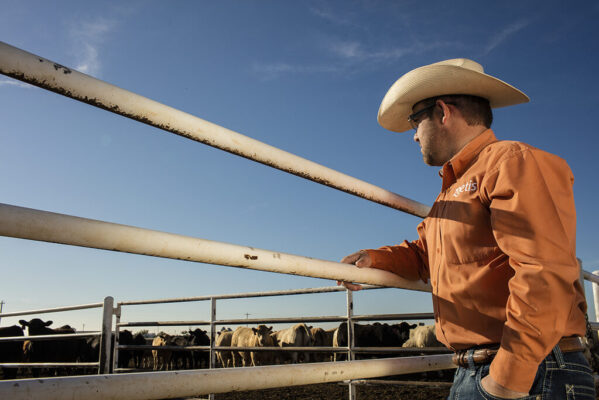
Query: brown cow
[251, 337]
[322, 338]
[298, 335]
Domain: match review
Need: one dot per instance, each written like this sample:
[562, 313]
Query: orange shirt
[499, 249]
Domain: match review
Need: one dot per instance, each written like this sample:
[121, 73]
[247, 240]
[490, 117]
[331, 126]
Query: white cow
[423, 336]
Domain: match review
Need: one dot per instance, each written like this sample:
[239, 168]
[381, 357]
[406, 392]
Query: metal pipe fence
[25, 223]
[103, 363]
[39, 225]
[176, 384]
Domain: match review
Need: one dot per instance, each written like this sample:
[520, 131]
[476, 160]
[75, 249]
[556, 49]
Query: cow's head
[199, 337]
[35, 325]
[263, 332]
[402, 330]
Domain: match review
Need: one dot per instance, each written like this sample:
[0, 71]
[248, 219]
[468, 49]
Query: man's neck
[465, 136]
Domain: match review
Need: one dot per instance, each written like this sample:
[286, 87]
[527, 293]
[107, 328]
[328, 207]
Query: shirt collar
[455, 168]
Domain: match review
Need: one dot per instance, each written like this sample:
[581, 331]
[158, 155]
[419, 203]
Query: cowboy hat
[455, 76]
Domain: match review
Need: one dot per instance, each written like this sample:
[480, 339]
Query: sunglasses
[415, 119]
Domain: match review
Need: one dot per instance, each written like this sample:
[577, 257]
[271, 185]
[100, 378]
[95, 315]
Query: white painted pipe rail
[175, 384]
[289, 292]
[51, 310]
[591, 277]
[26, 223]
[50, 337]
[47, 74]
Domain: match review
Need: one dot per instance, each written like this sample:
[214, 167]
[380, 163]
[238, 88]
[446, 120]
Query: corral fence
[19, 222]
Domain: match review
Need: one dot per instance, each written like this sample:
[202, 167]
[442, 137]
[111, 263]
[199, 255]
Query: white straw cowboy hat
[455, 76]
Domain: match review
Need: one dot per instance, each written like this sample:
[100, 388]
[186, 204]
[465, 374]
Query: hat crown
[463, 63]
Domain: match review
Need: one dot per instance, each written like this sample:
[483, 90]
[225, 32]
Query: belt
[485, 355]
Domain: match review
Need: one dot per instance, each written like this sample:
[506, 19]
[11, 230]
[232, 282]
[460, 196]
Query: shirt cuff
[512, 372]
[379, 259]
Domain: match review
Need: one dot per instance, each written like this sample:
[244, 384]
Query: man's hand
[360, 259]
[497, 390]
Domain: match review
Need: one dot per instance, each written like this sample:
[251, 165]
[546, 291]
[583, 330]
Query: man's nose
[416, 137]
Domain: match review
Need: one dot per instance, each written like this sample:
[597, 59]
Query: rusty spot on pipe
[65, 69]
[249, 257]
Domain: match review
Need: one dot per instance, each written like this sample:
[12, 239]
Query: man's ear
[445, 111]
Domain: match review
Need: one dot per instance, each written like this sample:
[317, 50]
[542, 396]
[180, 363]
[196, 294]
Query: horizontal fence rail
[51, 365]
[26, 223]
[50, 337]
[287, 292]
[163, 385]
[52, 76]
[310, 349]
[242, 321]
[51, 310]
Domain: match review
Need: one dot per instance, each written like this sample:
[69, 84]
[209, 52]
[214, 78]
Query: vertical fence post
[106, 338]
[212, 337]
[115, 351]
[212, 332]
[350, 338]
[596, 296]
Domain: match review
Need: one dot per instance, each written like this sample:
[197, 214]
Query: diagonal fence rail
[26, 223]
[52, 76]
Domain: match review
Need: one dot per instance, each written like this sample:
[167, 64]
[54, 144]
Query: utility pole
[247, 316]
[1, 304]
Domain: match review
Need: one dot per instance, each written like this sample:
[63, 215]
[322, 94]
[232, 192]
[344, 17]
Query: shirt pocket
[465, 231]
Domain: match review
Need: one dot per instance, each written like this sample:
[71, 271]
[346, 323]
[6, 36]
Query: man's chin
[430, 161]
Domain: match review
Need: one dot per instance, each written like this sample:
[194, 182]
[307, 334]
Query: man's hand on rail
[360, 259]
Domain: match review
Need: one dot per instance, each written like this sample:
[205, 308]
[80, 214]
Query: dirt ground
[334, 391]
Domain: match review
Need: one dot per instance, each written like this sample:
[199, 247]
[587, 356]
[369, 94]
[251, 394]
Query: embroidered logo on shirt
[471, 186]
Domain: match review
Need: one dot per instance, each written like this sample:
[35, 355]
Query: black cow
[125, 356]
[376, 335]
[138, 355]
[11, 352]
[201, 358]
[50, 351]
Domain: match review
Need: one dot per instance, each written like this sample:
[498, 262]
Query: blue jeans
[560, 376]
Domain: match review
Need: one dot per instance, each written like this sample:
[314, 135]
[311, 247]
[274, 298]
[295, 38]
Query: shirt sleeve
[534, 223]
[408, 260]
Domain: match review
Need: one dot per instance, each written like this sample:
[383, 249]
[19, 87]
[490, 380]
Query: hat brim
[437, 80]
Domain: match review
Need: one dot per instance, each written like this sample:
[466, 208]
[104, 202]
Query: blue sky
[306, 77]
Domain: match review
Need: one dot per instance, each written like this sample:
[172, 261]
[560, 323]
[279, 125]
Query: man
[498, 245]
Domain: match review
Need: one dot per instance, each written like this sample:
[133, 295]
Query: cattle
[180, 359]
[200, 358]
[251, 337]
[53, 351]
[11, 352]
[376, 335]
[125, 356]
[91, 351]
[322, 338]
[423, 336]
[298, 335]
[162, 358]
[139, 355]
[224, 340]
